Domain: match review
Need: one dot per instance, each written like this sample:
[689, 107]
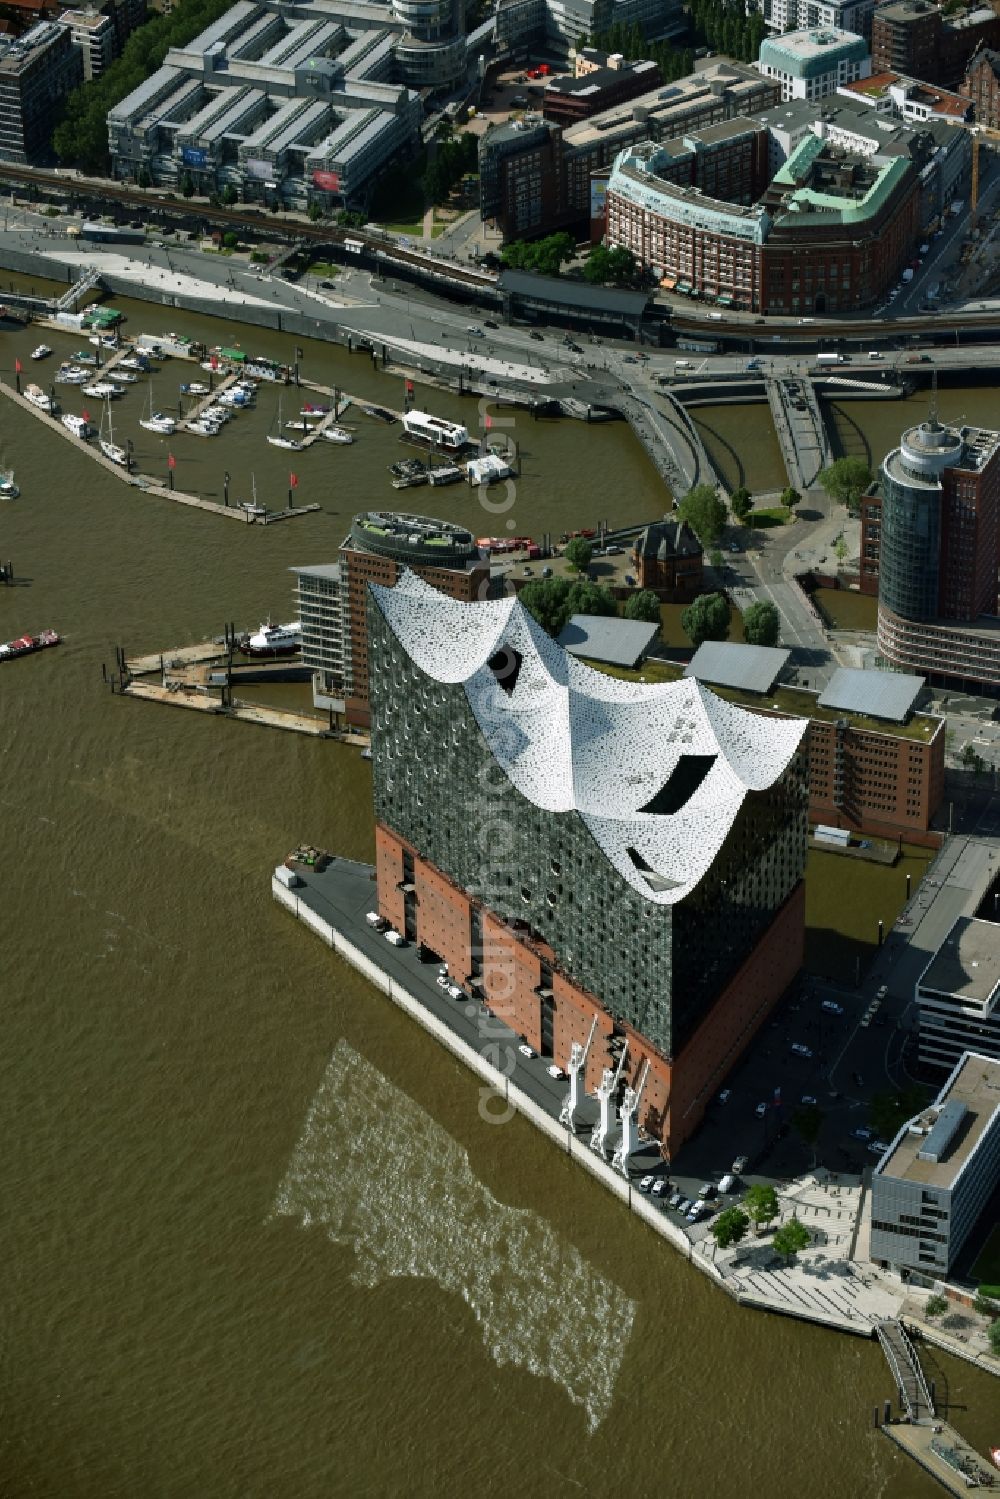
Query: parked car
[878, 1147]
[675, 1199]
[646, 1183]
[443, 981]
[883, 991]
[831, 1007]
[684, 1206]
[739, 1165]
[489, 323]
[526, 1050]
[556, 1072]
[535, 335]
[725, 1095]
[809, 1100]
[661, 1187]
[800, 1050]
[375, 920]
[396, 938]
[455, 991]
[760, 1110]
[861, 1134]
[708, 1191]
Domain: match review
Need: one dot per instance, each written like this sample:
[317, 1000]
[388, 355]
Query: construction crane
[577, 1063]
[629, 1114]
[605, 1093]
[978, 131]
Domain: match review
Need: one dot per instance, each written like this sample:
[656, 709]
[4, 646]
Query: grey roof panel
[573, 293]
[725, 663]
[879, 694]
[619, 642]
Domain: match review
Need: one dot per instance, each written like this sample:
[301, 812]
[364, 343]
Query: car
[396, 939]
[725, 1095]
[883, 991]
[546, 572]
[685, 1205]
[760, 1110]
[629, 359]
[646, 1183]
[735, 547]
[443, 981]
[675, 1199]
[866, 1020]
[474, 332]
[661, 1187]
[489, 323]
[708, 1191]
[535, 335]
[576, 348]
[557, 1072]
[526, 1050]
[694, 1213]
[861, 1134]
[630, 580]
[808, 1100]
[327, 285]
[528, 572]
[739, 1165]
[800, 1050]
[831, 1007]
[377, 921]
[878, 1147]
[455, 991]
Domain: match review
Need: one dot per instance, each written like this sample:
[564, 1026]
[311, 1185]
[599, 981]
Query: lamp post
[298, 355]
[225, 488]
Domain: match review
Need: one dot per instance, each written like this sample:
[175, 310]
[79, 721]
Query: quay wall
[561, 1136]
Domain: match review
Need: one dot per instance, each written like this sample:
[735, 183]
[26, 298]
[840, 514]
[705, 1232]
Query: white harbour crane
[629, 1115]
[605, 1093]
[577, 1063]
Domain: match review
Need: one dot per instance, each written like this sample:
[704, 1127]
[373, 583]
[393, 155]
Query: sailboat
[157, 421]
[277, 441]
[107, 445]
[8, 489]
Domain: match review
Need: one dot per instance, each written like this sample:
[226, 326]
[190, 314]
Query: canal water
[257, 1238]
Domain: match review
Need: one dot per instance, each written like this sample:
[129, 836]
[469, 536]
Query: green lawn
[986, 1270]
[845, 899]
[323, 268]
[767, 519]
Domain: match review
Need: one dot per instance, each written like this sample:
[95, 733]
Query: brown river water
[220, 1277]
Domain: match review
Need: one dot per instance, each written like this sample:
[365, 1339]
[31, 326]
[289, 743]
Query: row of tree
[727, 28]
[449, 162]
[546, 256]
[759, 1207]
[81, 137]
[673, 62]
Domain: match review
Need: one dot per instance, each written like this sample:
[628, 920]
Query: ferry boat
[273, 640]
[37, 396]
[8, 489]
[78, 426]
[24, 645]
[102, 390]
[264, 369]
[163, 344]
[337, 434]
[42, 352]
[434, 430]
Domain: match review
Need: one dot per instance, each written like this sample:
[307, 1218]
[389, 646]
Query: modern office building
[37, 71]
[958, 995]
[585, 853]
[288, 104]
[812, 64]
[982, 85]
[875, 764]
[669, 561]
[101, 30]
[812, 15]
[828, 234]
[332, 596]
[939, 1173]
[521, 178]
[936, 517]
[564, 24]
[920, 40]
[908, 99]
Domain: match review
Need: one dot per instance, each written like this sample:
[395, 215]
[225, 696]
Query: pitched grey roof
[668, 538]
[726, 663]
[879, 694]
[618, 642]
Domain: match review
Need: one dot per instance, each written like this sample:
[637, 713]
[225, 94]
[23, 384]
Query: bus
[699, 345]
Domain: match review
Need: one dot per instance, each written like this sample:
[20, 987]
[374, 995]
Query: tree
[553, 601]
[761, 1203]
[604, 265]
[707, 618]
[187, 186]
[230, 239]
[741, 502]
[790, 497]
[715, 558]
[729, 1227]
[808, 1121]
[643, 605]
[993, 1334]
[935, 1306]
[985, 1305]
[889, 1111]
[704, 512]
[762, 624]
[578, 552]
[588, 598]
[543, 255]
[790, 1238]
[846, 480]
[230, 195]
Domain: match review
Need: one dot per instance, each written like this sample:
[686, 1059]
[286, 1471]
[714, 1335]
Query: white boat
[203, 429]
[196, 388]
[84, 356]
[488, 469]
[103, 341]
[42, 352]
[8, 489]
[315, 411]
[337, 434]
[107, 445]
[274, 640]
[217, 414]
[299, 426]
[132, 362]
[277, 441]
[123, 377]
[157, 421]
[37, 396]
[435, 430]
[71, 374]
[78, 426]
[102, 390]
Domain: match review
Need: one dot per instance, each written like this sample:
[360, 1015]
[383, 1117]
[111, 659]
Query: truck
[830, 359]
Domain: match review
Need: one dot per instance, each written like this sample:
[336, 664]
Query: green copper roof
[820, 54]
[810, 207]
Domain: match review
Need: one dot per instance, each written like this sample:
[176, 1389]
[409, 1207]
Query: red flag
[215, 361]
[409, 387]
[171, 461]
[17, 366]
[293, 481]
[489, 421]
[86, 416]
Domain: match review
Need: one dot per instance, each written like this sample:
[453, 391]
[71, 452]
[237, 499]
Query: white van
[874, 354]
[682, 364]
[726, 1184]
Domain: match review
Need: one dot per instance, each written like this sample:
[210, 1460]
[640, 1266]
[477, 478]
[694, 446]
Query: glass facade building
[912, 503]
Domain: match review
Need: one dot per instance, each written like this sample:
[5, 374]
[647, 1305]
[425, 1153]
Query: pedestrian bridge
[905, 1365]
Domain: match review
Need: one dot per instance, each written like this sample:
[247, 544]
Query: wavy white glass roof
[572, 739]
